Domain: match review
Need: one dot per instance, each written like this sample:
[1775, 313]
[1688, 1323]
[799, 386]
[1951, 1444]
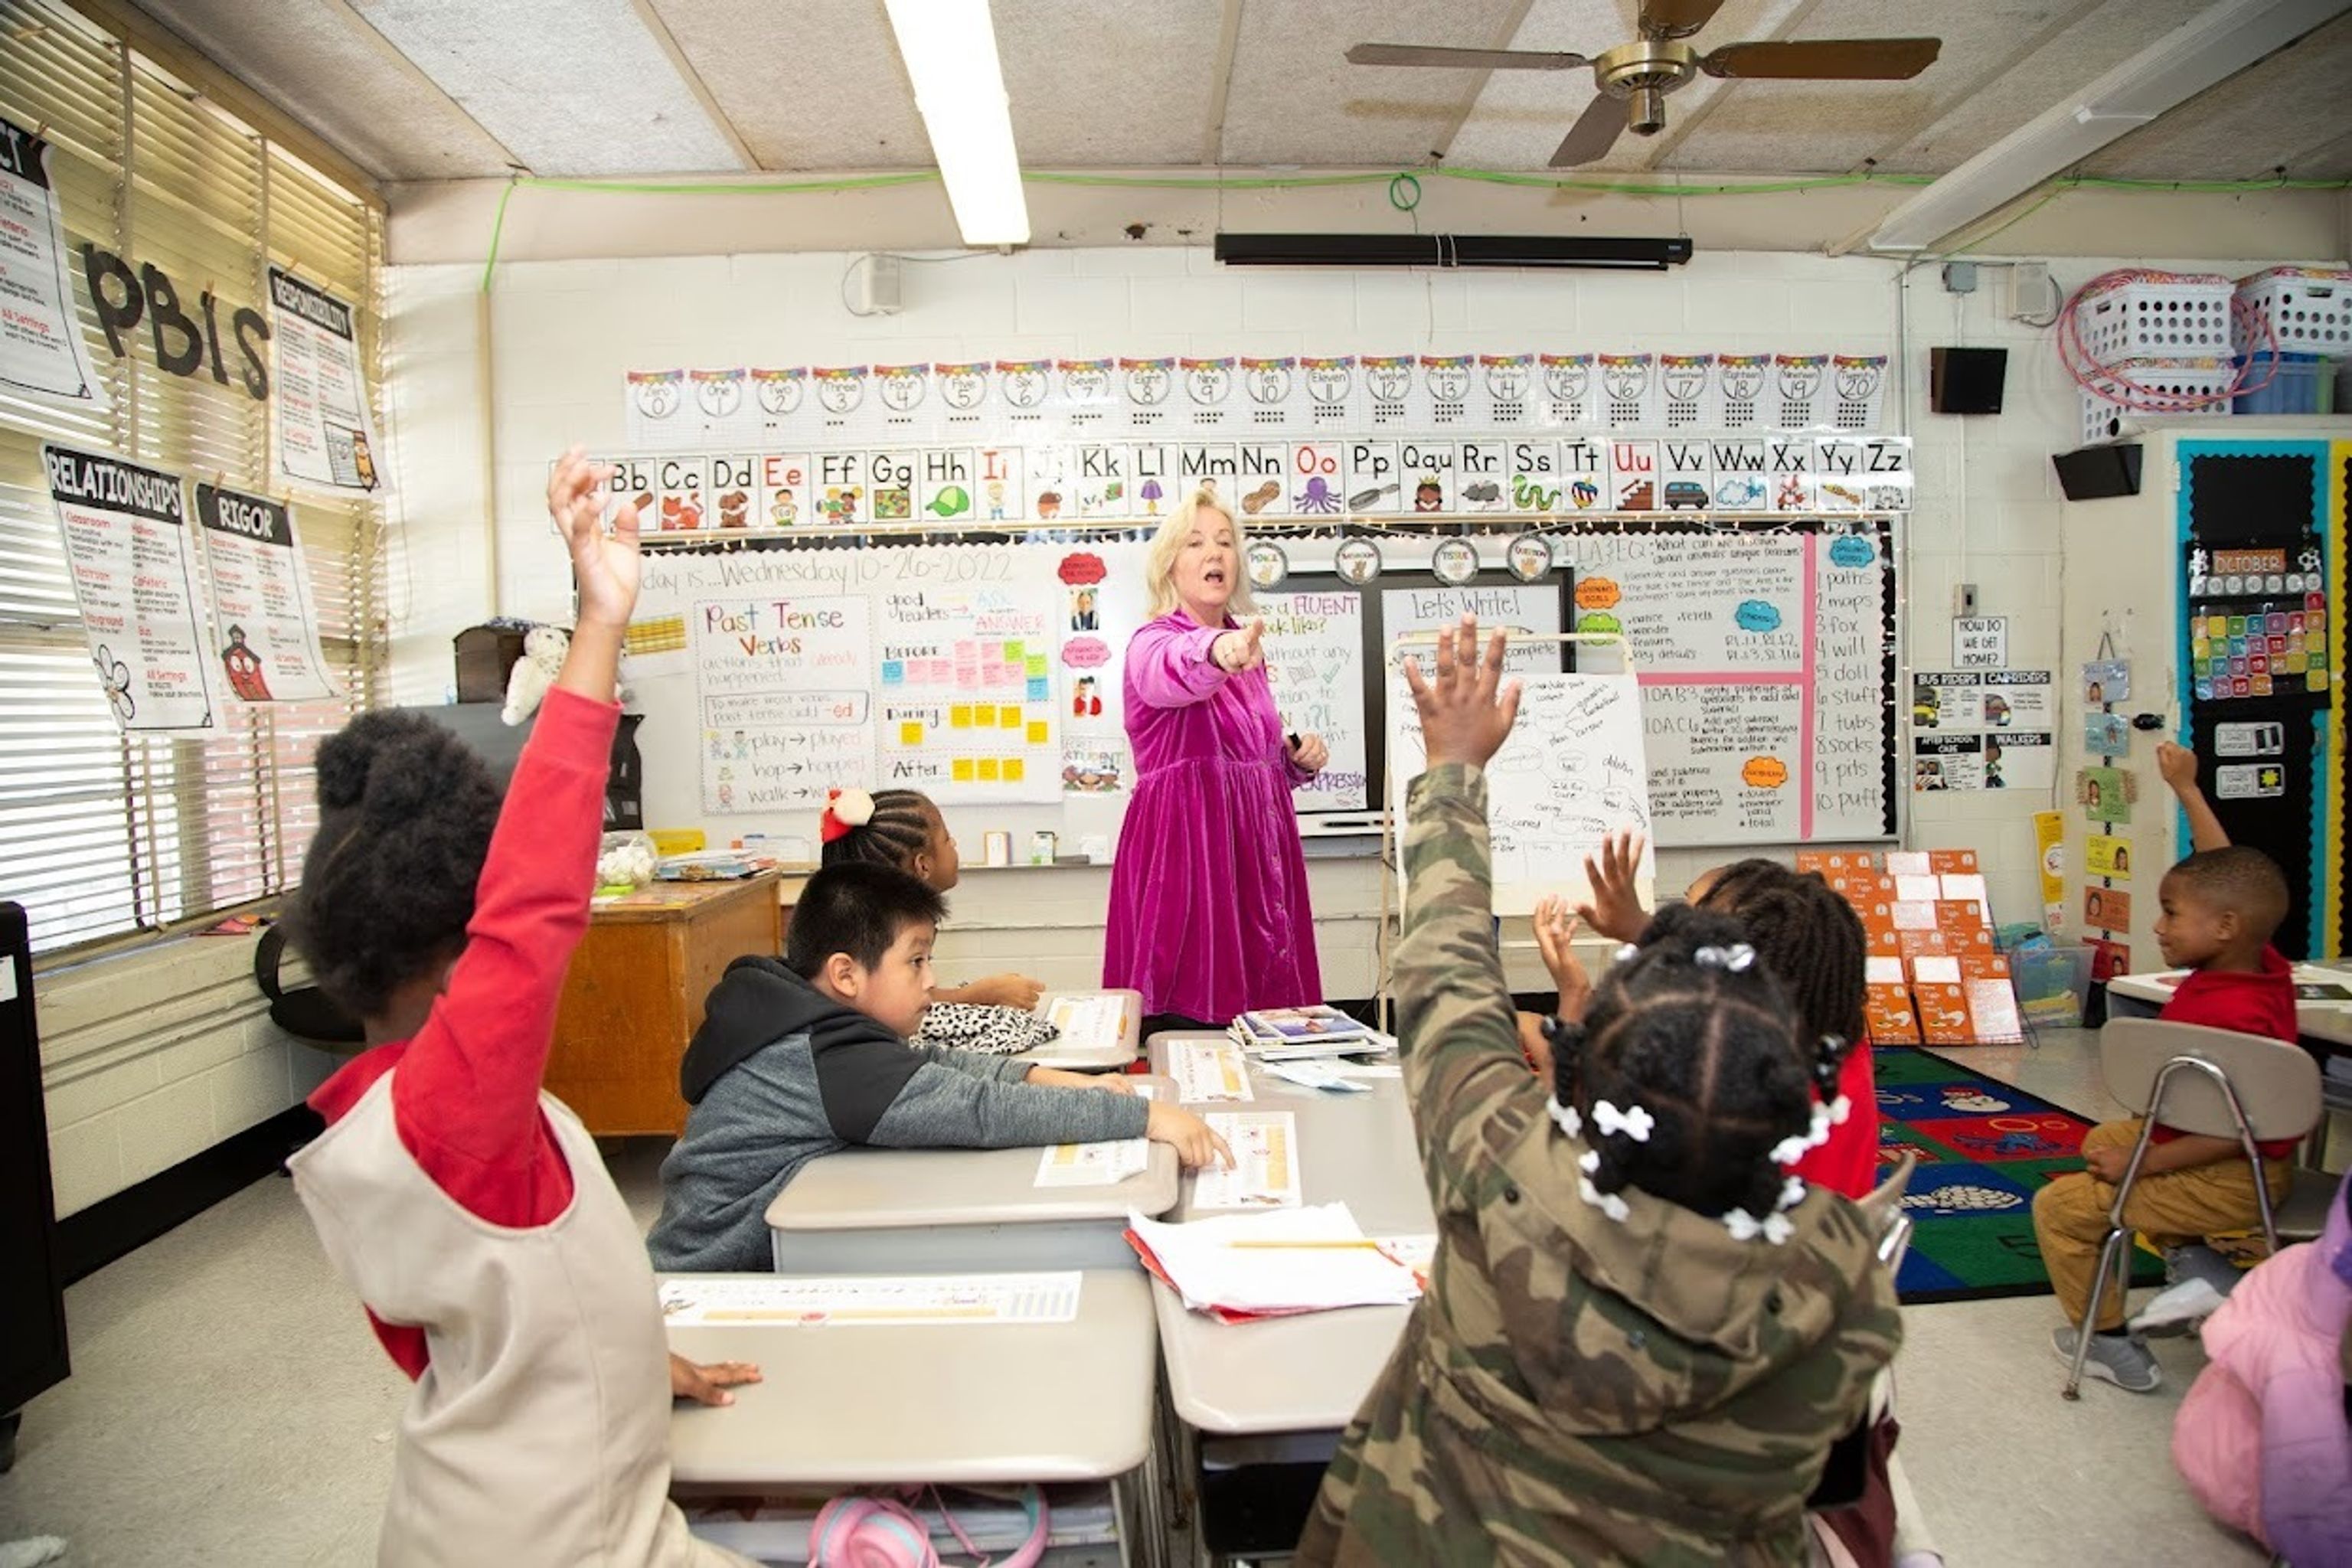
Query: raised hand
[1555, 929]
[1237, 651]
[1466, 711]
[604, 567]
[1615, 910]
[2176, 764]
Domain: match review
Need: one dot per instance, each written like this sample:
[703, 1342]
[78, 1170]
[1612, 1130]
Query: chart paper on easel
[1572, 773]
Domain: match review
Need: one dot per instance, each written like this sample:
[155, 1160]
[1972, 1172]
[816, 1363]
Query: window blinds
[101, 834]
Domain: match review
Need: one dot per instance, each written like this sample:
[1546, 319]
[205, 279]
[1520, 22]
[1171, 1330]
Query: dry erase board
[987, 672]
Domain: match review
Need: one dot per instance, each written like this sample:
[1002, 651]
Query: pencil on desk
[1309, 1246]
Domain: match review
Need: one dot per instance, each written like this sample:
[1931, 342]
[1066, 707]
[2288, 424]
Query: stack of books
[1298, 1033]
[1933, 976]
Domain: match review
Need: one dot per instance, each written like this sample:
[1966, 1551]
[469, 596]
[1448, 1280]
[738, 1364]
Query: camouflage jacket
[1573, 1388]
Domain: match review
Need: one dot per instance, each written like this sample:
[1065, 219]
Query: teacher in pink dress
[1209, 912]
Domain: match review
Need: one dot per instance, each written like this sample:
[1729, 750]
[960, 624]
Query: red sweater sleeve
[466, 1098]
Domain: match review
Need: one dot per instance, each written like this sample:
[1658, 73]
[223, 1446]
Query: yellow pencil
[1311, 1245]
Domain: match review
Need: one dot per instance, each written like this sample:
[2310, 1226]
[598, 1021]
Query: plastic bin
[2305, 384]
[2052, 986]
[2308, 309]
[2190, 388]
[2157, 315]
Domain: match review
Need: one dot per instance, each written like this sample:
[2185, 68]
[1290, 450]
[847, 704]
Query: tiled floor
[230, 1406]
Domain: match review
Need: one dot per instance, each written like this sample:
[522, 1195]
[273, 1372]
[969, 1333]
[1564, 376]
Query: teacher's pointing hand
[1237, 651]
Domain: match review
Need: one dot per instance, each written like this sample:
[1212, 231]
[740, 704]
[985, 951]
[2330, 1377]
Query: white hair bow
[1610, 1203]
[1736, 958]
[1633, 1121]
[1570, 1121]
[1745, 1226]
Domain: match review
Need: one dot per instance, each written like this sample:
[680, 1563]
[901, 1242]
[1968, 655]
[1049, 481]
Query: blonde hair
[1160, 565]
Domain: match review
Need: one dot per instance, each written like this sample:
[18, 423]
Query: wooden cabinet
[635, 994]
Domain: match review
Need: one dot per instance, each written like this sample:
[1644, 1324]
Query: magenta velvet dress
[1208, 910]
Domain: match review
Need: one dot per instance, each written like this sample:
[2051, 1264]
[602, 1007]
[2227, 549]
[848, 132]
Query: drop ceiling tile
[320, 65]
[816, 84]
[1294, 98]
[2244, 127]
[1823, 127]
[573, 86]
[2078, 54]
[1105, 86]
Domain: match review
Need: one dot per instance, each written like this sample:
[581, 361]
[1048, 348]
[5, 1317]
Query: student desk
[2326, 1026]
[958, 1211]
[1260, 1405]
[848, 1405]
[634, 996]
[1106, 1055]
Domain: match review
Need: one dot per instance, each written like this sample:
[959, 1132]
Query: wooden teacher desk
[635, 994]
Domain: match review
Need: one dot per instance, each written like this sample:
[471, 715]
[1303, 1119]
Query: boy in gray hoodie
[809, 1056]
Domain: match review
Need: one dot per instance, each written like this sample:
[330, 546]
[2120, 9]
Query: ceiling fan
[1635, 78]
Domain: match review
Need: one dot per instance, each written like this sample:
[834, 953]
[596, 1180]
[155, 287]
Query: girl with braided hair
[902, 829]
[1808, 936]
[1642, 1334]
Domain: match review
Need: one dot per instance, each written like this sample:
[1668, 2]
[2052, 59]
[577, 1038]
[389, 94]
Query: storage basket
[2155, 315]
[2308, 309]
[2305, 384]
[2201, 385]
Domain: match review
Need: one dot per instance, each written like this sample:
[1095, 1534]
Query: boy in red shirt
[2220, 907]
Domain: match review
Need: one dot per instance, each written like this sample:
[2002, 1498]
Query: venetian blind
[103, 835]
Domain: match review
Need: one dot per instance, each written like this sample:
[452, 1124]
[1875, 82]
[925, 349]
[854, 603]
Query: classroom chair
[2216, 1083]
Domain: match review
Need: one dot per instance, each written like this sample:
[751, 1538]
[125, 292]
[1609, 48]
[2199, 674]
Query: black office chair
[306, 1012]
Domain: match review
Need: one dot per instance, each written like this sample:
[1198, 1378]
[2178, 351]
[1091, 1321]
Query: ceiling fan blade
[1595, 131]
[1830, 59]
[1677, 18]
[1464, 60]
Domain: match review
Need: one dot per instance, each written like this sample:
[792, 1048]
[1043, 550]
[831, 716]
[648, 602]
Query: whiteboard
[1571, 773]
[1314, 641]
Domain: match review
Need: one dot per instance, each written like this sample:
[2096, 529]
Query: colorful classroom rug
[1985, 1148]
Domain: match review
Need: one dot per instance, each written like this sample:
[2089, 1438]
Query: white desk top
[889, 1189]
[845, 1404]
[2323, 1020]
[1092, 1055]
[1307, 1374]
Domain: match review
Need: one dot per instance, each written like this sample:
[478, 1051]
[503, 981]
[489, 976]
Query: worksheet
[1099, 1020]
[1209, 1070]
[875, 1300]
[1102, 1164]
[1265, 1173]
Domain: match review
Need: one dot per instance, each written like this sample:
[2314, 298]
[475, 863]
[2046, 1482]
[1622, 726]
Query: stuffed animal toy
[535, 671]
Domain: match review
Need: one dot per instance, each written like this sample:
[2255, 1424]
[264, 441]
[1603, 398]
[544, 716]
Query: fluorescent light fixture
[2217, 44]
[1451, 251]
[949, 47]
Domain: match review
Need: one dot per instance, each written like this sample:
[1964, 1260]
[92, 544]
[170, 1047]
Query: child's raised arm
[1470, 1087]
[2178, 767]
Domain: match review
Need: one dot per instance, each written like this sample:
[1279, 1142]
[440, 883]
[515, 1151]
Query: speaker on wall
[2093, 473]
[1966, 380]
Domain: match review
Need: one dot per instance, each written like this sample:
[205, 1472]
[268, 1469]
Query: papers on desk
[872, 1301]
[1103, 1164]
[1265, 1172]
[1209, 1070]
[1298, 1033]
[1238, 1267]
[1316, 1075]
[1089, 1022]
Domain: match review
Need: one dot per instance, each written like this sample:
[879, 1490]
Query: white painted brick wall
[1987, 510]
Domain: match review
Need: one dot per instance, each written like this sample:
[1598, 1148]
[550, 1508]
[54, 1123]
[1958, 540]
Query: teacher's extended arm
[1174, 667]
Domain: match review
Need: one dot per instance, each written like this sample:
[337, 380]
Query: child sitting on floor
[809, 1056]
[2220, 909]
[903, 827]
[1642, 1335]
[470, 1211]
